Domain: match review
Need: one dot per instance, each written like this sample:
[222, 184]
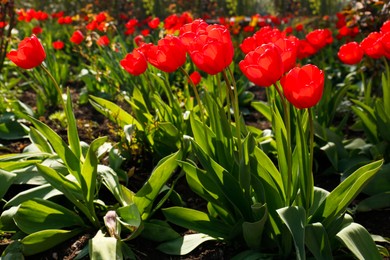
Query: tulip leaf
[198, 221]
[44, 191]
[43, 240]
[203, 135]
[183, 245]
[73, 136]
[102, 247]
[160, 175]
[158, 231]
[359, 241]
[38, 139]
[61, 148]
[6, 180]
[114, 112]
[263, 108]
[89, 170]
[375, 202]
[295, 219]
[317, 241]
[38, 214]
[338, 200]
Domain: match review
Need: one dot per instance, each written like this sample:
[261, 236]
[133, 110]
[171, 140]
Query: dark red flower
[58, 45]
[168, 55]
[350, 53]
[103, 41]
[305, 49]
[139, 39]
[37, 30]
[195, 77]
[101, 17]
[77, 37]
[299, 27]
[154, 23]
[319, 38]
[372, 45]
[303, 87]
[135, 63]
[30, 53]
[211, 49]
[288, 53]
[263, 66]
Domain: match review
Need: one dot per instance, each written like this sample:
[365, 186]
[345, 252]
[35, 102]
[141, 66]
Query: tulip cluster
[375, 46]
[271, 54]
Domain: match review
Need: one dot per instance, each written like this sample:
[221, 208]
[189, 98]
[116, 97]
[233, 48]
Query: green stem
[309, 191]
[59, 91]
[287, 122]
[234, 98]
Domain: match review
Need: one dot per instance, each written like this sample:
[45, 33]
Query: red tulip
[372, 45]
[103, 41]
[139, 40]
[195, 77]
[30, 53]
[154, 23]
[385, 27]
[299, 27]
[135, 63]
[248, 44]
[288, 52]
[305, 49]
[319, 38]
[385, 39]
[263, 66]
[350, 53]
[168, 55]
[211, 50]
[77, 37]
[37, 30]
[303, 86]
[58, 45]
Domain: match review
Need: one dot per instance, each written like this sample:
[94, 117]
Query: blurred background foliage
[200, 8]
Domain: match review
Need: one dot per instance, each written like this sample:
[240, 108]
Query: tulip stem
[55, 84]
[234, 97]
[197, 97]
[287, 123]
[309, 192]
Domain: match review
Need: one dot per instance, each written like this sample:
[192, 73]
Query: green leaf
[39, 214]
[102, 248]
[253, 231]
[198, 221]
[89, 171]
[375, 202]
[263, 108]
[6, 180]
[158, 231]
[338, 200]
[114, 112]
[145, 197]
[45, 191]
[43, 240]
[61, 148]
[367, 117]
[316, 240]
[183, 245]
[383, 120]
[12, 130]
[38, 139]
[73, 135]
[295, 219]
[357, 239]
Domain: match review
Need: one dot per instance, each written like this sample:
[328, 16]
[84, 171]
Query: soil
[92, 125]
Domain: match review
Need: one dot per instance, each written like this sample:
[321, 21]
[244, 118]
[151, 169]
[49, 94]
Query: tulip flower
[264, 65]
[350, 53]
[77, 37]
[30, 53]
[319, 38]
[288, 52]
[372, 45]
[103, 41]
[168, 55]
[135, 63]
[154, 23]
[303, 87]
[195, 77]
[385, 27]
[211, 50]
[37, 30]
[58, 45]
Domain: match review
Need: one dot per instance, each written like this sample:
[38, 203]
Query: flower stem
[59, 91]
[287, 122]
[309, 192]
